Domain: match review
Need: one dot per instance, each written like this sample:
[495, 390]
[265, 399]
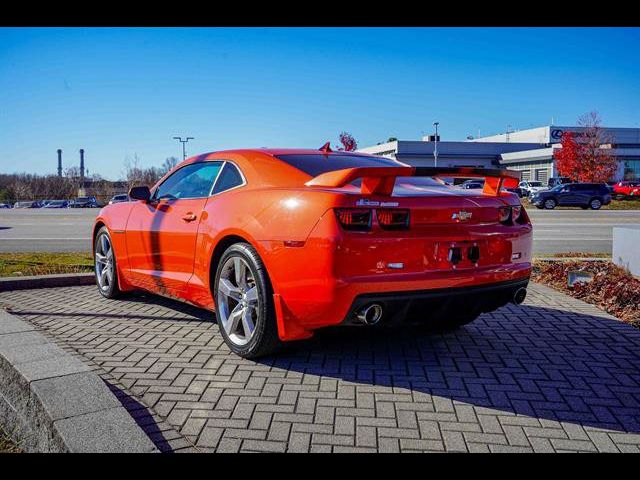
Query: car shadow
[534, 361]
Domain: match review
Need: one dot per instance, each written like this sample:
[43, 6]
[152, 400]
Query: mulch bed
[613, 288]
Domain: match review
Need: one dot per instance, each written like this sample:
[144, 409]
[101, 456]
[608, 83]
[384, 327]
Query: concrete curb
[52, 402]
[47, 281]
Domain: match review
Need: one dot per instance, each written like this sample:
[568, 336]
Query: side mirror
[140, 193]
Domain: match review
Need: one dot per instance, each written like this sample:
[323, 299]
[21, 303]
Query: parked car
[5, 205]
[585, 195]
[279, 243]
[626, 188]
[528, 187]
[554, 181]
[57, 204]
[119, 198]
[27, 204]
[85, 202]
[472, 184]
[518, 191]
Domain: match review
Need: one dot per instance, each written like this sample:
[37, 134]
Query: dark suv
[555, 181]
[585, 195]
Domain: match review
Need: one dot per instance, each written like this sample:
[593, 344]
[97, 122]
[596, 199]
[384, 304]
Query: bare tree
[135, 175]
[168, 164]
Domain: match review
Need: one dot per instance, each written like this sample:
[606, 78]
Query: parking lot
[69, 230]
[552, 375]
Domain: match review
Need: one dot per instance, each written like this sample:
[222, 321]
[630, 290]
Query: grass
[42, 263]
[622, 205]
[614, 205]
[7, 445]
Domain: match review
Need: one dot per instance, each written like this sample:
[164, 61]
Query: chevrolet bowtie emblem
[461, 215]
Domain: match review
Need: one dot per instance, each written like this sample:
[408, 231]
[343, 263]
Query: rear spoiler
[381, 180]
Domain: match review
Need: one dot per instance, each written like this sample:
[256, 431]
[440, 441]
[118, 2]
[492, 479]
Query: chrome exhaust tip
[519, 296]
[371, 314]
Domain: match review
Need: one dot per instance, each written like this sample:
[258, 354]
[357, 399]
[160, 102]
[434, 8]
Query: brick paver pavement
[554, 374]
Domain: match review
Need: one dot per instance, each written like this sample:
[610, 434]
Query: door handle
[189, 217]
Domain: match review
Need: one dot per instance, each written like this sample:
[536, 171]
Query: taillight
[354, 218]
[503, 214]
[516, 212]
[393, 219]
[510, 215]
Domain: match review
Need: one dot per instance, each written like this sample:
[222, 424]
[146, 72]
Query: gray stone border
[52, 402]
[47, 281]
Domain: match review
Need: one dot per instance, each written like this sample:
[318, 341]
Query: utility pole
[184, 143]
[435, 146]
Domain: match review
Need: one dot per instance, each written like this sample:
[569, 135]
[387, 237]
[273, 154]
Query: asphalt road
[69, 230]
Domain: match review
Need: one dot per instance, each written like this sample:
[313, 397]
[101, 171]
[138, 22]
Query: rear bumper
[424, 306]
[320, 283]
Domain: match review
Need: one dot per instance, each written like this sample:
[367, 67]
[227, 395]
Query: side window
[192, 181]
[229, 178]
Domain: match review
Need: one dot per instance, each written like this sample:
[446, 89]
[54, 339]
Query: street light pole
[184, 143]
[435, 146]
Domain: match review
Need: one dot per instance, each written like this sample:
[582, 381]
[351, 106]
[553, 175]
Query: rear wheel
[244, 303]
[105, 265]
[595, 204]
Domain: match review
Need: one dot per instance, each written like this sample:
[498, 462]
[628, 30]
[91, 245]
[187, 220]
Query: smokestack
[82, 164]
[59, 162]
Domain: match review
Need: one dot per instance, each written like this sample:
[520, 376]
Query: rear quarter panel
[263, 217]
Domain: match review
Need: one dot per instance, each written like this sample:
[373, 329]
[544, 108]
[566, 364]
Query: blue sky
[117, 92]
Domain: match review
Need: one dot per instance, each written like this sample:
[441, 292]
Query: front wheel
[105, 265]
[244, 303]
[550, 204]
[595, 204]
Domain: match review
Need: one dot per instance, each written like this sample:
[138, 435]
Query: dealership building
[529, 151]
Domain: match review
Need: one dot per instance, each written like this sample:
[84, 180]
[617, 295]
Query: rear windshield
[317, 164]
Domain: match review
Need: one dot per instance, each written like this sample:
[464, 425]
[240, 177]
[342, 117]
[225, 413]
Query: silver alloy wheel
[238, 300]
[104, 262]
[549, 204]
[596, 204]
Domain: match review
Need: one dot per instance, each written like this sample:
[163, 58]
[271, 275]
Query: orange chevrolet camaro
[282, 242]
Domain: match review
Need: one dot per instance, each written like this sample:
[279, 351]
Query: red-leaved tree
[588, 157]
[568, 157]
[349, 143]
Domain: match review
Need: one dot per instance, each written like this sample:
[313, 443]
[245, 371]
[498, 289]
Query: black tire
[264, 340]
[113, 289]
[595, 204]
[550, 204]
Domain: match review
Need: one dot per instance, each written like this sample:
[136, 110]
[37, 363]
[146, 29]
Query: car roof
[274, 152]
[262, 167]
